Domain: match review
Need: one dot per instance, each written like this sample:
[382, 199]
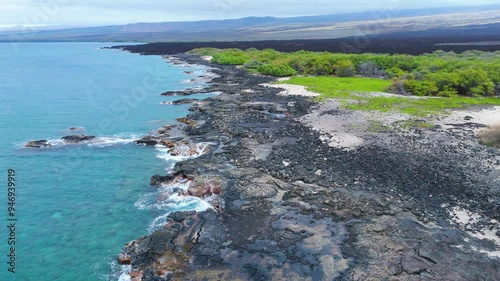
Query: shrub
[231, 57]
[276, 70]
[398, 87]
[394, 72]
[370, 69]
[317, 66]
[344, 68]
[448, 92]
[204, 51]
[475, 82]
[491, 136]
[420, 88]
[253, 64]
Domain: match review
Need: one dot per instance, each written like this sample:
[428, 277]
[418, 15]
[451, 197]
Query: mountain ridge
[266, 28]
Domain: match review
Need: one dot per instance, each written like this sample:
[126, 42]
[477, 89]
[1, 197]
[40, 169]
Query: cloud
[98, 12]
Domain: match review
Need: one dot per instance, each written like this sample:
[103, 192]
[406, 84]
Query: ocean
[76, 205]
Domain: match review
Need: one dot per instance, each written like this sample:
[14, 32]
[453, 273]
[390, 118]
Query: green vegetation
[453, 80]
[444, 74]
[417, 107]
[231, 56]
[351, 91]
[491, 136]
[279, 70]
[204, 51]
[340, 87]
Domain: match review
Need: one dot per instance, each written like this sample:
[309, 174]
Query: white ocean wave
[184, 152]
[125, 273]
[175, 203]
[120, 139]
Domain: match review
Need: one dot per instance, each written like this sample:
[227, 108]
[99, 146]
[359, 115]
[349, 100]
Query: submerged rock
[77, 138]
[37, 144]
[184, 101]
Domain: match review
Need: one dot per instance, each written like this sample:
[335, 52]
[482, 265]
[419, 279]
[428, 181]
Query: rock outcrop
[294, 208]
[37, 144]
[77, 138]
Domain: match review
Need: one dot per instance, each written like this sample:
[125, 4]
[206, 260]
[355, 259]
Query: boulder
[413, 264]
[37, 144]
[157, 180]
[187, 121]
[167, 143]
[147, 140]
[124, 259]
[199, 191]
[165, 129]
[205, 186]
[77, 138]
[136, 275]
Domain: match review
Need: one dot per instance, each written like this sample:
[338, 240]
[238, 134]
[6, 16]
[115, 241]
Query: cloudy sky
[106, 12]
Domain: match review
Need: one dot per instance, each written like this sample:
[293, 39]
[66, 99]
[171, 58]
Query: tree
[497, 90]
[475, 82]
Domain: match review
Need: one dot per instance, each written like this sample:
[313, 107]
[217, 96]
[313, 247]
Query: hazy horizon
[66, 13]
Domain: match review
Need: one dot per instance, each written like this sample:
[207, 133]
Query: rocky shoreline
[291, 207]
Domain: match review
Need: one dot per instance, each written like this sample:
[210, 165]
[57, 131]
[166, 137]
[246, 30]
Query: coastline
[294, 208]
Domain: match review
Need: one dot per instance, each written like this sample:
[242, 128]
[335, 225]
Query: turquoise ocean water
[76, 205]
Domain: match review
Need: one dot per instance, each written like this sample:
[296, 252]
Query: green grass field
[340, 87]
[343, 88]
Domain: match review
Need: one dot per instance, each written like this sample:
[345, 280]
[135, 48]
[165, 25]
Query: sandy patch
[386, 95]
[292, 90]
[487, 117]
[207, 58]
[347, 129]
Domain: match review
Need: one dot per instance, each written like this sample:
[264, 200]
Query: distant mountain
[271, 28]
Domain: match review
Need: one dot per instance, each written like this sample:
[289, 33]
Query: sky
[109, 12]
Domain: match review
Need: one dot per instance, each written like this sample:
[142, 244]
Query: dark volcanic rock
[293, 208]
[37, 144]
[413, 264]
[148, 140]
[183, 101]
[124, 259]
[204, 186]
[77, 138]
